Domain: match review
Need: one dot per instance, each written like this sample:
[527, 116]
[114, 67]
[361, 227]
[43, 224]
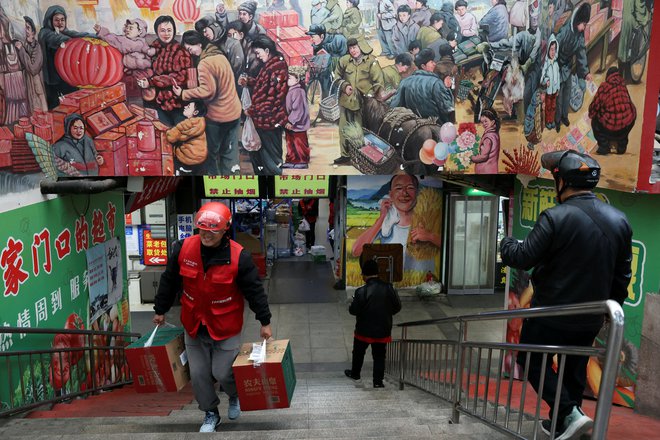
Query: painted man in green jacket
[362, 76]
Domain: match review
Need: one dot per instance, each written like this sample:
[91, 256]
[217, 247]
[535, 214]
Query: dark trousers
[378, 354]
[575, 371]
[222, 143]
[310, 236]
[606, 137]
[267, 160]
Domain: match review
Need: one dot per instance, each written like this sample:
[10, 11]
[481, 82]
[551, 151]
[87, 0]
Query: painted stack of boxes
[617, 15]
[598, 20]
[15, 153]
[291, 39]
[130, 138]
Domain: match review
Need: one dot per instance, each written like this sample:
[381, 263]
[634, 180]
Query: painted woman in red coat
[170, 66]
[268, 109]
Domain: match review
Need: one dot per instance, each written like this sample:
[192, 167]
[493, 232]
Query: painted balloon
[441, 151]
[89, 62]
[448, 132]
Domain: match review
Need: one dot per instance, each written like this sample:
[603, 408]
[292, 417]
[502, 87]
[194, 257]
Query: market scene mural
[175, 87]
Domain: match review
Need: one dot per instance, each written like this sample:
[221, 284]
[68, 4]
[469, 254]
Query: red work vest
[211, 298]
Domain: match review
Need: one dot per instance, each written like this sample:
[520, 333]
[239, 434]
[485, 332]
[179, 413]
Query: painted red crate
[142, 167]
[112, 146]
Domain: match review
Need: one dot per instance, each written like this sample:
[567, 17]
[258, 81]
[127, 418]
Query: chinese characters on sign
[155, 250]
[231, 186]
[301, 186]
[184, 225]
[41, 248]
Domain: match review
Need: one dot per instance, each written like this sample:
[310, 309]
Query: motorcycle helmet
[577, 170]
[213, 216]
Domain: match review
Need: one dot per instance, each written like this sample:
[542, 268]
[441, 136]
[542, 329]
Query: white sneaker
[575, 424]
[211, 421]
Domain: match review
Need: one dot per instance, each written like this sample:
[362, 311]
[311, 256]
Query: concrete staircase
[325, 406]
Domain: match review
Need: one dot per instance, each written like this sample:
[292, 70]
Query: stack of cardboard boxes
[291, 39]
[130, 138]
[598, 20]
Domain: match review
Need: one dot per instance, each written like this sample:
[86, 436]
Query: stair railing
[79, 363]
[471, 374]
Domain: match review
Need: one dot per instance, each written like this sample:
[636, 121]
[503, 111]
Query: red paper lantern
[152, 5]
[186, 11]
[89, 62]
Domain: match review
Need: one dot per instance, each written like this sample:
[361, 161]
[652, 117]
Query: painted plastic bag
[249, 137]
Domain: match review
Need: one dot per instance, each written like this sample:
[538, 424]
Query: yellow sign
[231, 186]
[301, 186]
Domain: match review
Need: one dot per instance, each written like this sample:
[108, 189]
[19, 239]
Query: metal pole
[608, 379]
[460, 361]
[402, 356]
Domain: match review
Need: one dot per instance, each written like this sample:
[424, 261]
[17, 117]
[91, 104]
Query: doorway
[472, 244]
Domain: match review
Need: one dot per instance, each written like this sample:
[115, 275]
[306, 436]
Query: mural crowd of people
[405, 54]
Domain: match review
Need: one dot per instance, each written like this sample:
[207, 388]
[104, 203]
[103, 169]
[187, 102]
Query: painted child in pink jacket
[297, 144]
[132, 44]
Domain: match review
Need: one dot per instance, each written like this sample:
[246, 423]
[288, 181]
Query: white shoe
[575, 424]
[211, 421]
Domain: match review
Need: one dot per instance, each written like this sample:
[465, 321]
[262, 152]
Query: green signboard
[641, 211]
[45, 279]
[243, 187]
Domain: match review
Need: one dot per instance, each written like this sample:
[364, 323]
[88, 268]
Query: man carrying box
[215, 274]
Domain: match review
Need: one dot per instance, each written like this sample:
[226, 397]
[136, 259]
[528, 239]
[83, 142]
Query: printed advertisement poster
[97, 279]
[44, 270]
[400, 209]
[640, 209]
[113, 261]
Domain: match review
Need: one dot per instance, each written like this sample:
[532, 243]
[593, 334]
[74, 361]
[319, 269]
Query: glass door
[472, 244]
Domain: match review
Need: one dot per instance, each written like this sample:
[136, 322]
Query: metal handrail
[433, 354]
[102, 352]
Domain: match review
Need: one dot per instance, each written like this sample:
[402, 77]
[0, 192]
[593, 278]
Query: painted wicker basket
[367, 164]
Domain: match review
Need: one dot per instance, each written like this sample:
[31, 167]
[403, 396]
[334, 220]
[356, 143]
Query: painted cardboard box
[269, 385]
[161, 367]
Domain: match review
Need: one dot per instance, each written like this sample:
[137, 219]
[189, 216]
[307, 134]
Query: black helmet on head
[577, 170]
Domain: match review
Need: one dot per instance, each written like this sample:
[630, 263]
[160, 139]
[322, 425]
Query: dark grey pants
[211, 360]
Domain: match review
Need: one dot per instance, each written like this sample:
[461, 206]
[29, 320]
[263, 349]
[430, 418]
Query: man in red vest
[215, 274]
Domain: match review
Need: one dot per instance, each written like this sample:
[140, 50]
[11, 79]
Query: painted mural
[175, 87]
[401, 209]
[540, 195]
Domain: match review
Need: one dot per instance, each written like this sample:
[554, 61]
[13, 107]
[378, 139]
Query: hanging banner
[301, 186]
[244, 187]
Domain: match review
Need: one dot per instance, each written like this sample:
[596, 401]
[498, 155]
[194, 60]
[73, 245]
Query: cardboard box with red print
[269, 385]
[163, 366]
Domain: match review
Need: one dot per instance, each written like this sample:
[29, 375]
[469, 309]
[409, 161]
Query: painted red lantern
[89, 62]
[186, 11]
[152, 5]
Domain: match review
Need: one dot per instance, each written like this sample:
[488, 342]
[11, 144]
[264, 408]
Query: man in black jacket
[216, 276]
[373, 305]
[581, 251]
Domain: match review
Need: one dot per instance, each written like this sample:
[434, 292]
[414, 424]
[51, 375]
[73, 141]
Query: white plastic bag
[246, 99]
[303, 226]
[153, 333]
[258, 355]
[250, 137]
